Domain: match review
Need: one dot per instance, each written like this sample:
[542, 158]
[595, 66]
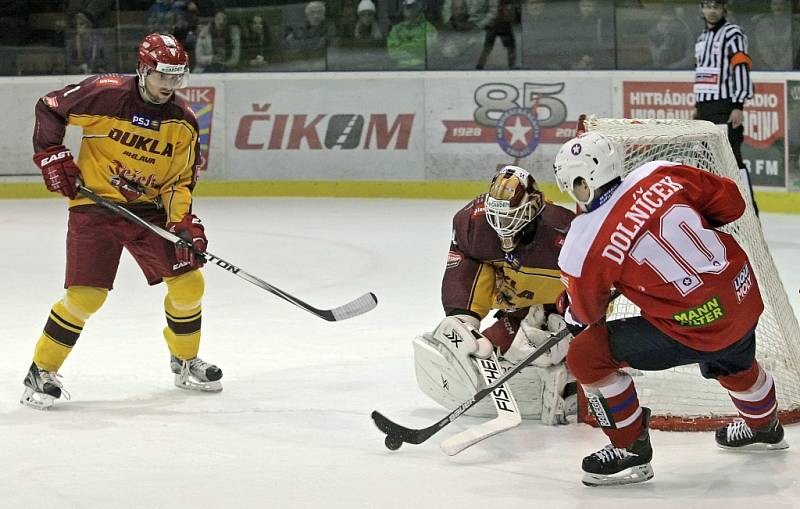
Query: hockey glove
[59, 171]
[191, 230]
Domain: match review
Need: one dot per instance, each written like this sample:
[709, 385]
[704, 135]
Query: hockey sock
[756, 402]
[65, 324]
[615, 405]
[182, 309]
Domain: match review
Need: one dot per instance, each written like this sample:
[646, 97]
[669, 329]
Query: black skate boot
[612, 465]
[196, 374]
[738, 435]
[42, 388]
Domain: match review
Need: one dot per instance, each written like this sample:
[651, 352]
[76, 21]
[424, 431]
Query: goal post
[680, 398]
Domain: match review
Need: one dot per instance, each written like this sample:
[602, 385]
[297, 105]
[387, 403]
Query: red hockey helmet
[164, 64]
[163, 53]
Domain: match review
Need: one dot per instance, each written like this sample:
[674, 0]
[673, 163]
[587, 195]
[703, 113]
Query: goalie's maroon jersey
[655, 241]
[480, 277]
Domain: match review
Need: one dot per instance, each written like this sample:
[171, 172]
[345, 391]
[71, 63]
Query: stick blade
[359, 306]
[475, 434]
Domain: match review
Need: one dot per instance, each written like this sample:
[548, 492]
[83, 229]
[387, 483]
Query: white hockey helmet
[592, 157]
[513, 201]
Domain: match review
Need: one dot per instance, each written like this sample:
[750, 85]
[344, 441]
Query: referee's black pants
[718, 112]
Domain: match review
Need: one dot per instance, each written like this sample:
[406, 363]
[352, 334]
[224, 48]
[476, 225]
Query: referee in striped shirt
[722, 77]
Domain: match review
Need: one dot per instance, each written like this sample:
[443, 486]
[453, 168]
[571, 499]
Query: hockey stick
[397, 434]
[508, 414]
[356, 307]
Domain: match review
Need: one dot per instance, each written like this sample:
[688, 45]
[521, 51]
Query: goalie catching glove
[59, 171]
[190, 230]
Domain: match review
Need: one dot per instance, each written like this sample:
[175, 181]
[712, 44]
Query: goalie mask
[512, 203]
[593, 158]
[163, 67]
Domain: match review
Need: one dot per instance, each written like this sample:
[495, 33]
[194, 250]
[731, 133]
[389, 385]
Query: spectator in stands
[313, 34]
[501, 27]
[85, 48]
[186, 23]
[589, 40]
[772, 36]
[218, 45]
[408, 40]
[256, 44]
[459, 40]
[161, 17]
[98, 10]
[367, 26]
[542, 35]
[669, 42]
[345, 18]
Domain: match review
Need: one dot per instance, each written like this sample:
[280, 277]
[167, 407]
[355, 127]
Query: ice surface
[292, 427]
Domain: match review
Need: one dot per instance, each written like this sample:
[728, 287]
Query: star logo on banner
[518, 132]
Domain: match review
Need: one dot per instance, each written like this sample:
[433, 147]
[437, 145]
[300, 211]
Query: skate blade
[757, 447]
[196, 385]
[637, 474]
[36, 400]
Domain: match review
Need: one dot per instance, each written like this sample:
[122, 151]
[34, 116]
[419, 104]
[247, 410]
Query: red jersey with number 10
[654, 241]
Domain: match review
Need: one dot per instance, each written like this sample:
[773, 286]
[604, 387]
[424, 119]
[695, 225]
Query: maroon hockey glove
[59, 171]
[191, 230]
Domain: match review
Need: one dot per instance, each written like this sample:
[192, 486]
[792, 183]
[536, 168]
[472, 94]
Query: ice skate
[739, 436]
[196, 375]
[614, 466]
[42, 388]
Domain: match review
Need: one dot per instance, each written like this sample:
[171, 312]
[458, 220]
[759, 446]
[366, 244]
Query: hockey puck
[392, 443]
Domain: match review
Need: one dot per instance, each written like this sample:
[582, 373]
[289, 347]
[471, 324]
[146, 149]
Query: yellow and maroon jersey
[156, 147]
[480, 276]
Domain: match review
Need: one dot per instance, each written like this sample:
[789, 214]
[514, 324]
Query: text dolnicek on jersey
[648, 201]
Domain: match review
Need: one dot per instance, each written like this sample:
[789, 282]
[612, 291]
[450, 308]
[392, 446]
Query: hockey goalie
[504, 258]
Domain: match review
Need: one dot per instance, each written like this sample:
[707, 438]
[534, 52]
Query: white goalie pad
[450, 382]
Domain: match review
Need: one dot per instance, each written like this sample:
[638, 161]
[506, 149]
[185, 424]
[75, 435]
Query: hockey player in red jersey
[653, 238]
[503, 256]
[140, 148]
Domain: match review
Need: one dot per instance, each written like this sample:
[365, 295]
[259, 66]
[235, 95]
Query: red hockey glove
[59, 171]
[191, 230]
[562, 303]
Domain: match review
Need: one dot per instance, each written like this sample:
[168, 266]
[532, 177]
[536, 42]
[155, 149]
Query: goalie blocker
[447, 372]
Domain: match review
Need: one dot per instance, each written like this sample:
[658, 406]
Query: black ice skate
[42, 388]
[613, 465]
[738, 435]
[196, 374]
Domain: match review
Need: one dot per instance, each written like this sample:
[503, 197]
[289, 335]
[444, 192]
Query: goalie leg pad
[447, 380]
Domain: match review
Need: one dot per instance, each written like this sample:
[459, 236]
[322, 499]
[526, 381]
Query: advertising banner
[331, 129]
[474, 125]
[764, 148]
[201, 101]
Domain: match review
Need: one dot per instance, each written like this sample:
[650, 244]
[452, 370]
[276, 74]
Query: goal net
[680, 398]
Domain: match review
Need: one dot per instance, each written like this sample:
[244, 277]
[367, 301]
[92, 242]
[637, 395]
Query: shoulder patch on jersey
[453, 259]
[109, 81]
[146, 122]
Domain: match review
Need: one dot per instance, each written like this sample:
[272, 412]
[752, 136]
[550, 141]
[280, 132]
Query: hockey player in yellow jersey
[140, 149]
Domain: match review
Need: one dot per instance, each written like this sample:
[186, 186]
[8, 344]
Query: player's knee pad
[83, 301]
[185, 292]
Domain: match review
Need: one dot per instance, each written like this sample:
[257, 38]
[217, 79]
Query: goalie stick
[356, 307]
[508, 414]
[397, 434]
